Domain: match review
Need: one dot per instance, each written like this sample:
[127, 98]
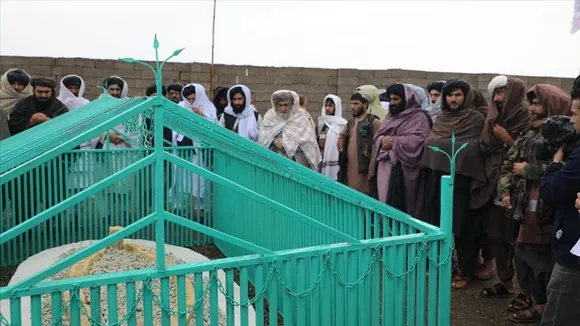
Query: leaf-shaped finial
[436, 149]
[155, 42]
[462, 147]
[453, 138]
[128, 60]
[177, 52]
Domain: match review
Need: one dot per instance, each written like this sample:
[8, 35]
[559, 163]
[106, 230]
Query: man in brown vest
[355, 146]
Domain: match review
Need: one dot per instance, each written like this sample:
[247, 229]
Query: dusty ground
[467, 307]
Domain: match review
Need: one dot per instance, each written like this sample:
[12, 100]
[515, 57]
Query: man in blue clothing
[561, 185]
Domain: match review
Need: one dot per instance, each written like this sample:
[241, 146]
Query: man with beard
[36, 109]
[508, 116]
[287, 131]
[72, 89]
[457, 118]
[14, 86]
[355, 143]
[518, 188]
[29, 113]
[434, 89]
[239, 116]
[174, 92]
[399, 143]
[115, 87]
[330, 125]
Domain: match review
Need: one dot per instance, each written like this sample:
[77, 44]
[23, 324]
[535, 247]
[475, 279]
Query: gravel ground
[467, 307]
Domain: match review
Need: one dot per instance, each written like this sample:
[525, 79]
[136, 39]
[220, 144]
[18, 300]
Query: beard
[498, 105]
[284, 115]
[238, 108]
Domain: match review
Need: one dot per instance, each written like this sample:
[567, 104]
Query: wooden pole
[212, 52]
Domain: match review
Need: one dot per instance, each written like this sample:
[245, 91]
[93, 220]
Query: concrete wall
[263, 81]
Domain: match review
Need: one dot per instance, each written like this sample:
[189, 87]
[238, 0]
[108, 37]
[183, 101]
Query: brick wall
[263, 81]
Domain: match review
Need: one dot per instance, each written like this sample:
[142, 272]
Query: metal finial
[158, 66]
[451, 157]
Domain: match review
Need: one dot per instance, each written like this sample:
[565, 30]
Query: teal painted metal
[320, 244]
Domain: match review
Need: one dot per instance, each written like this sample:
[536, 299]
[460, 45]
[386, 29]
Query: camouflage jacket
[521, 151]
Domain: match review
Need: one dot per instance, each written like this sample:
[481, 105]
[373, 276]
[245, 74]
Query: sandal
[520, 303]
[460, 283]
[484, 272]
[497, 291]
[528, 316]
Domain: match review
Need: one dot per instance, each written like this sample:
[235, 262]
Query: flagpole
[212, 51]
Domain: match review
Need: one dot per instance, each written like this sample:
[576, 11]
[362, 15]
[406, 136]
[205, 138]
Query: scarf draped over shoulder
[335, 124]
[466, 124]
[68, 98]
[296, 128]
[248, 126]
[375, 107]
[8, 96]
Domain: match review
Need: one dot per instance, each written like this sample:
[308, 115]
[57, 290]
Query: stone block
[205, 67]
[110, 64]
[282, 79]
[348, 81]
[85, 63]
[124, 65]
[194, 67]
[332, 81]
[256, 71]
[67, 62]
[300, 79]
[399, 73]
[366, 73]
[200, 78]
[347, 73]
[273, 71]
[382, 73]
[433, 75]
[40, 71]
[318, 80]
[417, 74]
[91, 72]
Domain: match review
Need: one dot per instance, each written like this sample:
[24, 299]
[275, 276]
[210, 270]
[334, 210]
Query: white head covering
[201, 102]
[248, 126]
[497, 82]
[335, 123]
[124, 91]
[68, 98]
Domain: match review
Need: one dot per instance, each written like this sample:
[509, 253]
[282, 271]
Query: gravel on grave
[116, 260]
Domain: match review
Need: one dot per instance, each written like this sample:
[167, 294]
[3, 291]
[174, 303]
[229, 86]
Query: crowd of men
[509, 205]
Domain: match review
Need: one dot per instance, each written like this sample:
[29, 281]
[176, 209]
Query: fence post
[446, 226]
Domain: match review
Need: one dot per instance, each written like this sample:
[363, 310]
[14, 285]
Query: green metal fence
[301, 249]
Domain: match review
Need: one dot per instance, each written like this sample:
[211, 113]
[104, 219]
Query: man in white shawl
[287, 130]
[240, 116]
[330, 124]
[72, 88]
[14, 86]
[187, 186]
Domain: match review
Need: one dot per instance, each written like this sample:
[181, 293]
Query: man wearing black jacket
[561, 184]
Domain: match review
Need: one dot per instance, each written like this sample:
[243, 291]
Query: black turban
[175, 87]
[188, 90]
[397, 89]
[72, 81]
[43, 82]
[152, 89]
[436, 85]
[449, 87]
[113, 81]
[18, 76]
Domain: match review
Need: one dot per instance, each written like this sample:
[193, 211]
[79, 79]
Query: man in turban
[14, 86]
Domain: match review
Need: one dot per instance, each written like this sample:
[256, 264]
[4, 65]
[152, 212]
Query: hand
[507, 202]
[279, 143]
[38, 118]
[339, 144]
[519, 169]
[501, 133]
[115, 139]
[321, 143]
[578, 202]
[559, 156]
[198, 111]
[387, 143]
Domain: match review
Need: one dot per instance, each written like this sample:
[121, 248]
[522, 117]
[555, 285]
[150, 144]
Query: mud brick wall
[315, 83]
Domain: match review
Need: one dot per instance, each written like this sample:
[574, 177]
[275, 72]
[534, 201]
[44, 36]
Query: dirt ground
[468, 308]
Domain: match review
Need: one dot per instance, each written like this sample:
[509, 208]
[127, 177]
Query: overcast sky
[511, 37]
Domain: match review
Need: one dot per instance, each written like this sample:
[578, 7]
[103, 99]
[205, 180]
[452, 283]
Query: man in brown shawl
[518, 188]
[399, 147]
[14, 86]
[459, 117]
[508, 116]
[355, 146]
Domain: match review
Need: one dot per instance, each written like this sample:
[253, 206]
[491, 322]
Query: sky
[524, 37]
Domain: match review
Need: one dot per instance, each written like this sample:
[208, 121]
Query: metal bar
[251, 194]
[73, 200]
[217, 234]
[159, 188]
[212, 51]
[82, 254]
